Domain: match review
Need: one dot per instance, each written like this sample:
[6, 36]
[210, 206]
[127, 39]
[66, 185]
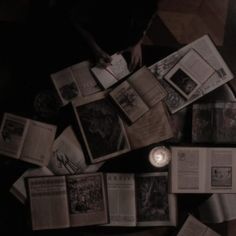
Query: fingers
[101, 63]
[136, 57]
[104, 60]
[135, 61]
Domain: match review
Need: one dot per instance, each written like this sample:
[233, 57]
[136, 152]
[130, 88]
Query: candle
[159, 156]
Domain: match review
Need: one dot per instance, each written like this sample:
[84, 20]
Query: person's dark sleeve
[142, 15]
[81, 13]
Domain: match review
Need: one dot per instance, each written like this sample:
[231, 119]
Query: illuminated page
[87, 199]
[18, 189]
[188, 170]
[154, 126]
[65, 85]
[129, 101]
[138, 94]
[155, 206]
[48, 202]
[194, 227]
[102, 129]
[68, 157]
[112, 73]
[221, 170]
[12, 135]
[85, 79]
[121, 198]
[38, 143]
[207, 50]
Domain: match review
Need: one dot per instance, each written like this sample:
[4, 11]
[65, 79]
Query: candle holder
[159, 156]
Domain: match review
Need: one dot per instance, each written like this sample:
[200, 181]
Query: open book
[25, 139]
[136, 95]
[207, 50]
[203, 170]
[73, 81]
[218, 208]
[214, 122]
[194, 227]
[105, 134]
[67, 201]
[67, 158]
[18, 189]
[140, 200]
[79, 200]
[189, 73]
[112, 73]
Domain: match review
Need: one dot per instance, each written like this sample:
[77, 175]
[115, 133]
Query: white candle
[159, 156]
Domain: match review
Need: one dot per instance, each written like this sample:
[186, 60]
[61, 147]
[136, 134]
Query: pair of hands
[135, 51]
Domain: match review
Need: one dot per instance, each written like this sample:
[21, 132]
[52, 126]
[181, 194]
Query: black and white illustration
[214, 122]
[225, 122]
[221, 176]
[152, 198]
[85, 194]
[102, 129]
[12, 133]
[67, 159]
[173, 99]
[69, 91]
[202, 123]
[129, 101]
[183, 83]
[138, 94]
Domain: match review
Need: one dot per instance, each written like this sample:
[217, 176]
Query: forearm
[148, 25]
[141, 25]
[100, 56]
[88, 37]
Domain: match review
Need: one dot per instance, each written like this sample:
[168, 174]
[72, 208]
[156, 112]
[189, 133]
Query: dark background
[33, 45]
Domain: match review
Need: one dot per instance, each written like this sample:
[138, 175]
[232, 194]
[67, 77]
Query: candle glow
[159, 156]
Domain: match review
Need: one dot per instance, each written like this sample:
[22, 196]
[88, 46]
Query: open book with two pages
[137, 94]
[218, 208]
[114, 72]
[185, 81]
[190, 72]
[66, 158]
[74, 81]
[194, 227]
[187, 74]
[106, 135]
[203, 170]
[140, 200]
[67, 201]
[80, 80]
[26, 139]
[112, 199]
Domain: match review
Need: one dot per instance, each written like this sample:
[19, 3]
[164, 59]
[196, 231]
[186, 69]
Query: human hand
[102, 58]
[135, 55]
